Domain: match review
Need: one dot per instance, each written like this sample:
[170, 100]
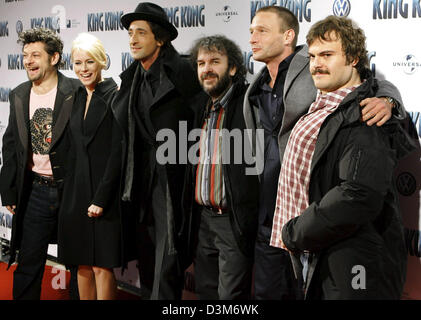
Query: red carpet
[55, 284]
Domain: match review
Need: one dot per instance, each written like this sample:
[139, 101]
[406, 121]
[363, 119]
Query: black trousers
[160, 274]
[39, 228]
[221, 270]
[273, 274]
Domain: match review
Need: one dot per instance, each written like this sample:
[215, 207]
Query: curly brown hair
[225, 46]
[351, 36]
[52, 42]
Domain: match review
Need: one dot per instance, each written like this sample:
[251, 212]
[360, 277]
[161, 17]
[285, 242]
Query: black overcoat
[178, 85]
[15, 181]
[83, 240]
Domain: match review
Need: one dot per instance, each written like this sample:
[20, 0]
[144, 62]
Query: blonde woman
[89, 220]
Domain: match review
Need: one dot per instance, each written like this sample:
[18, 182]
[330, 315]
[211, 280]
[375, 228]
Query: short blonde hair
[92, 45]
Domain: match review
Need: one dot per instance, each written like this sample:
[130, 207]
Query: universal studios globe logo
[411, 64]
[227, 13]
[341, 8]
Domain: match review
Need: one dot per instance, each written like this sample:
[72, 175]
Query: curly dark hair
[351, 36]
[52, 42]
[225, 46]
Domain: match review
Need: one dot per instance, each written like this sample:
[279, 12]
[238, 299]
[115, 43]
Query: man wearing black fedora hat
[154, 95]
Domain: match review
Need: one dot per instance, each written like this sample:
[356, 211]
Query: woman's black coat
[83, 240]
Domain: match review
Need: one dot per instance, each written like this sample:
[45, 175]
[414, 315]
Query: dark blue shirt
[271, 110]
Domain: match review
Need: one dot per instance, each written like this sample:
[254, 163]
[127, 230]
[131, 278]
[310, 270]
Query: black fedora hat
[150, 12]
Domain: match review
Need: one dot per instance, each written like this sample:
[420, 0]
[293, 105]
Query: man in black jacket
[34, 152]
[337, 208]
[154, 95]
[223, 199]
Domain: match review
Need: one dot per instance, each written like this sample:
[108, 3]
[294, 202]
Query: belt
[216, 210]
[43, 180]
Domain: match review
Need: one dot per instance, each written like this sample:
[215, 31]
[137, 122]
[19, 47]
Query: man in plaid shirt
[278, 95]
[336, 205]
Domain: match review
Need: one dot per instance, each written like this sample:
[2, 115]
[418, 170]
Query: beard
[220, 86]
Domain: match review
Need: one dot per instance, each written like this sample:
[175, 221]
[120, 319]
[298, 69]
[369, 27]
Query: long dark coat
[15, 181]
[83, 240]
[353, 227]
[178, 84]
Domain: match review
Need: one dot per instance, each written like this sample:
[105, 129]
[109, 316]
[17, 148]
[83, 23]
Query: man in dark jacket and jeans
[222, 198]
[154, 95]
[34, 153]
[337, 209]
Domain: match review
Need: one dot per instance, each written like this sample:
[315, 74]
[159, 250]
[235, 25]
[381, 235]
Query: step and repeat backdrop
[393, 40]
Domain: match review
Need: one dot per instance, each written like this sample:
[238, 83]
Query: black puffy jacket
[352, 227]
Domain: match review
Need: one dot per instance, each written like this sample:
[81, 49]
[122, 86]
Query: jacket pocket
[372, 167]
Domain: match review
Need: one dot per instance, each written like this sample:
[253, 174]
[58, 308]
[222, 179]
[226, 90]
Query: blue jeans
[38, 230]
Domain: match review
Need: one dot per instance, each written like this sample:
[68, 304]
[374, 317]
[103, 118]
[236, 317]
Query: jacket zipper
[357, 162]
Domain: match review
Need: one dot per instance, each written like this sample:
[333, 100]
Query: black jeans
[160, 274]
[221, 270]
[39, 228]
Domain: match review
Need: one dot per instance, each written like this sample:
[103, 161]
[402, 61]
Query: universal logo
[227, 13]
[341, 8]
[72, 23]
[409, 64]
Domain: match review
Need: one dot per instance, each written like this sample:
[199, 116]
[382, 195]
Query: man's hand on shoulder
[376, 110]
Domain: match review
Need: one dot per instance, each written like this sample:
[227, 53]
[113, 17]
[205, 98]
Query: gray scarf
[127, 192]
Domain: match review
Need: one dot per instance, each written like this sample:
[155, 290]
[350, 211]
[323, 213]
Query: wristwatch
[391, 101]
